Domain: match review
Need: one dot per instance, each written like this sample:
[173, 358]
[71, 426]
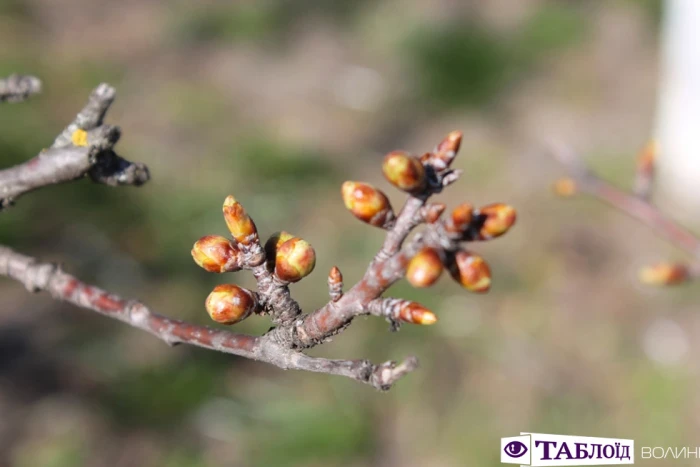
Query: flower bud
[239, 223]
[295, 259]
[664, 274]
[335, 284]
[216, 254]
[460, 218]
[432, 212]
[425, 268]
[404, 171]
[564, 187]
[499, 218]
[415, 313]
[273, 243]
[367, 203]
[471, 271]
[445, 152]
[229, 304]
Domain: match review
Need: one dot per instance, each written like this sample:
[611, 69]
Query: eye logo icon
[515, 449]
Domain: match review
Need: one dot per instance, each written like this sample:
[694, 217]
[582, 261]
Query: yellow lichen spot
[565, 187]
[79, 137]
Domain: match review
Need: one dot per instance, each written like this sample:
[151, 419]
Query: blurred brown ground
[278, 103]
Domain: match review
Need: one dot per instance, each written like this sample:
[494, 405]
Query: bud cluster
[420, 177]
[288, 259]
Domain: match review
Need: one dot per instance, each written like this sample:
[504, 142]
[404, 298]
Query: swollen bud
[229, 304]
[295, 259]
[404, 171]
[445, 152]
[471, 271]
[499, 219]
[239, 222]
[415, 313]
[460, 218]
[273, 243]
[564, 187]
[216, 254]
[664, 274]
[367, 203]
[425, 268]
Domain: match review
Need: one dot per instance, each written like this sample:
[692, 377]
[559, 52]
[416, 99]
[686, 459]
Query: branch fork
[86, 148]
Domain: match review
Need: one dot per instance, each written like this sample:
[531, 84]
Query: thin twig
[16, 88]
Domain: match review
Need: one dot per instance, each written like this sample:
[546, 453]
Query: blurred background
[279, 102]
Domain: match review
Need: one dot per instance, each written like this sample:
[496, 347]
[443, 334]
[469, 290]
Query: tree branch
[85, 147]
[16, 88]
[637, 205]
[61, 286]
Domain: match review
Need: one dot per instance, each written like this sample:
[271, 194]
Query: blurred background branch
[16, 88]
[636, 204]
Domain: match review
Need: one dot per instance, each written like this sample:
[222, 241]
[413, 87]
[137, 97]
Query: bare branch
[50, 278]
[85, 147]
[16, 88]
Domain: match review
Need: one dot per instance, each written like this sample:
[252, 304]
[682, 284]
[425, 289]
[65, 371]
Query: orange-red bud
[295, 259]
[367, 203]
[645, 170]
[404, 171]
[647, 156]
[335, 284]
[565, 187]
[445, 152]
[273, 243]
[239, 223]
[432, 212]
[229, 304]
[460, 218]
[664, 274]
[425, 268]
[415, 313]
[215, 254]
[471, 271]
[499, 219]
[335, 276]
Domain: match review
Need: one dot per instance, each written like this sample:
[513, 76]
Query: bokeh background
[279, 102]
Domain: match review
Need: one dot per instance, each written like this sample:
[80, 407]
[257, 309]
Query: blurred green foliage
[461, 63]
[265, 21]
